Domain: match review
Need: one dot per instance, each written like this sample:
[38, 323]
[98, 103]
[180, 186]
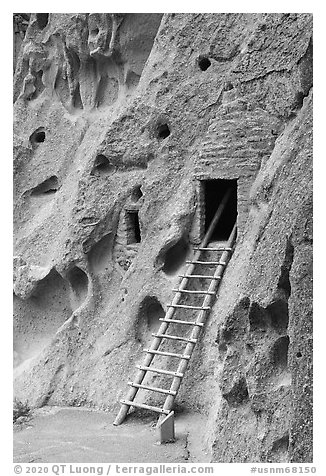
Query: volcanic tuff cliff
[117, 119]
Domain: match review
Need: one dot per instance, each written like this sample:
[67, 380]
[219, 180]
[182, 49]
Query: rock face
[121, 122]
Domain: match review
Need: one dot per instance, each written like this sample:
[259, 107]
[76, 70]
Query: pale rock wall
[86, 300]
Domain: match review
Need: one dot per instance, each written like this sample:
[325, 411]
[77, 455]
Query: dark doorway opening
[214, 191]
[133, 227]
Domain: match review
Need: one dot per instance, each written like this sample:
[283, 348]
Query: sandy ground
[73, 435]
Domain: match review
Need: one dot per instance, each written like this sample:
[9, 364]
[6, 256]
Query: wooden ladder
[196, 325]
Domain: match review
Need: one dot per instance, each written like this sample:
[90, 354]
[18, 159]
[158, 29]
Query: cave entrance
[213, 193]
[132, 227]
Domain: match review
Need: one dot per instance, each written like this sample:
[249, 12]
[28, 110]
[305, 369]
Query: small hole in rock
[228, 86]
[279, 352]
[299, 97]
[223, 347]
[136, 194]
[79, 283]
[102, 164]
[95, 31]
[238, 394]
[250, 348]
[38, 83]
[279, 451]
[204, 63]
[299, 355]
[284, 279]
[148, 319]
[99, 255]
[42, 20]
[163, 131]
[48, 187]
[279, 314]
[226, 335]
[38, 136]
[258, 318]
[77, 100]
[175, 256]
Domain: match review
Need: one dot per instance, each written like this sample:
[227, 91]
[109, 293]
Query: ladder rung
[210, 263]
[176, 321]
[213, 249]
[159, 371]
[146, 407]
[199, 276]
[183, 339]
[168, 354]
[184, 306]
[152, 389]
[188, 291]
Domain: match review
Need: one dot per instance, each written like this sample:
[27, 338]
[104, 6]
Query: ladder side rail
[176, 382]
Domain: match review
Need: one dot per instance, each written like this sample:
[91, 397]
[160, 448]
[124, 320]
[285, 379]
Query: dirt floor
[62, 435]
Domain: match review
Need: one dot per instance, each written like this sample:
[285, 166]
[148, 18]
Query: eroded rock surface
[119, 118]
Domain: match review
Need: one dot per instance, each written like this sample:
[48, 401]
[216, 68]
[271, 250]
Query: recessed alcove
[42, 20]
[238, 393]
[136, 193]
[132, 227]
[279, 314]
[49, 187]
[102, 164]
[228, 86]
[279, 452]
[175, 256]
[279, 353]
[77, 100]
[162, 131]
[258, 318]
[79, 284]
[100, 254]
[39, 86]
[148, 318]
[38, 318]
[37, 137]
